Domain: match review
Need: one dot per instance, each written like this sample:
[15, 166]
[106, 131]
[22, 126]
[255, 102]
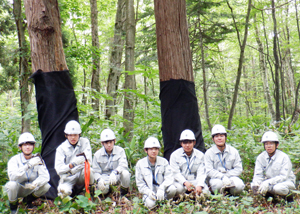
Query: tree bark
[172, 34]
[241, 60]
[297, 20]
[115, 60]
[95, 82]
[44, 30]
[129, 102]
[23, 65]
[262, 66]
[204, 79]
[276, 59]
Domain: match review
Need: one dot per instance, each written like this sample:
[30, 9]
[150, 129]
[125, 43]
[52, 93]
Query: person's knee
[215, 184]
[281, 189]
[171, 191]
[64, 189]
[149, 203]
[125, 178]
[239, 186]
[179, 188]
[11, 185]
[42, 190]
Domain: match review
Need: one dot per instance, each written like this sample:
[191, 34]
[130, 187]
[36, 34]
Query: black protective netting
[56, 105]
[179, 111]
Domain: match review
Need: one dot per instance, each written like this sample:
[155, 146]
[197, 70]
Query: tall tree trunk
[95, 82]
[204, 78]
[115, 60]
[262, 66]
[276, 58]
[44, 30]
[23, 65]
[179, 106]
[129, 98]
[241, 60]
[297, 19]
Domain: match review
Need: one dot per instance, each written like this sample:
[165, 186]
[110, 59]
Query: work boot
[123, 191]
[28, 200]
[13, 207]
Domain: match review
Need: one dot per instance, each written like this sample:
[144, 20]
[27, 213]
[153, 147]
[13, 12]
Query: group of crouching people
[188, 171]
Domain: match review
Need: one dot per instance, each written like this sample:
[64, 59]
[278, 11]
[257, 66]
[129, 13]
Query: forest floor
[245, 203]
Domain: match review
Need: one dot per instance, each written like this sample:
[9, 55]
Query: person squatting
[188, 172]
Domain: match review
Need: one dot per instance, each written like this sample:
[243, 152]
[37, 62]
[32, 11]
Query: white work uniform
[65, 154]
[163, 177]
[227, 163]
[191, 169]
[18, 177]
[104, 164]
[277, 170]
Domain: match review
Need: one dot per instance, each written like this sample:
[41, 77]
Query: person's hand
[189, 186]
[113, 178]
[198, 190]
[32, 185]
[34, 162]
[226, 181]
[160, 195]
[101, 185]
[151, 195]
[76, 169]
[263, 188]
[78, 160]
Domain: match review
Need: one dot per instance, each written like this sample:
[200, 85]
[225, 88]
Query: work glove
[160, 195]
[226, 181]
[34, 162]
[101, 185]
[76, 169]
[151, 195]
[264, 187]
[78, 160]
[113, 178]
[32, 185]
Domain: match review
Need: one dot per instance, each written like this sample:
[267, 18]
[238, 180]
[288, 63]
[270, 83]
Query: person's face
[219, 140]
[73, 138]
[27, 148]
[188, 145]
[152, 152]
[270, 147]
[108, 145]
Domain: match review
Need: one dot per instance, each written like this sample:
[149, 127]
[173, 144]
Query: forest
[245, 57]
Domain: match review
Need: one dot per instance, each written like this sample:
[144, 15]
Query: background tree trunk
[23, 65]
[241, 60]
[276, 59]
[44, 30]
[95, 83]
[128, 110]
[204, 78]
[115, 59]
[262, 66]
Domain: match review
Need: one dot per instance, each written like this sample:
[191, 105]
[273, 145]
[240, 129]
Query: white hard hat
[218, 129]
[26, 137]
[269, 136]
[187, 135]
[107, 134]
[72, 127]
[151, 142]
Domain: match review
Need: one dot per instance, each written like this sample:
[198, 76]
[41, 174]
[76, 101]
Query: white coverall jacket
[163, 177]
[65, 154]
[227, 164]
[192, 170]
[18, 177]
[277, 169]
[103, 165]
